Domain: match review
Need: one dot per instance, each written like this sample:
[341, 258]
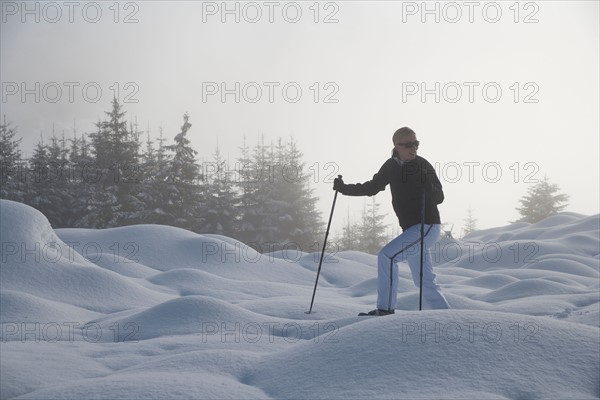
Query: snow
[156, 312]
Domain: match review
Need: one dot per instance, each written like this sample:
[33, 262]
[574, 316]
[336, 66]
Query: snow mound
[26, 235]
[188, 281]
[35, 261]
[456, 354]
[24, 308]
[175, 384]
[335, 270]
[490, 281]
[182, 316]
[158, 312]
[225, 257]
[528, 288]
[568, 264]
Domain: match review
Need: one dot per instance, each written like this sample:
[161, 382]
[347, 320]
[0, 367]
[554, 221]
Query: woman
[409, 176]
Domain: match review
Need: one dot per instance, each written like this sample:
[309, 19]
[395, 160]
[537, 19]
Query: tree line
[110, 178]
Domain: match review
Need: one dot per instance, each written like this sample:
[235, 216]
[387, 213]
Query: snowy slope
[158, 312]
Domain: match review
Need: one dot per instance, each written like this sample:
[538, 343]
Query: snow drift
[158, 312]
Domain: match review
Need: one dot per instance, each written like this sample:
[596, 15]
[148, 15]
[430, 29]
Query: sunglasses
[409, 145]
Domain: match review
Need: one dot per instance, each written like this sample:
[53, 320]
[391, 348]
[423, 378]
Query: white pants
[407, 247]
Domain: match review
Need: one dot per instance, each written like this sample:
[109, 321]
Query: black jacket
[407, 182]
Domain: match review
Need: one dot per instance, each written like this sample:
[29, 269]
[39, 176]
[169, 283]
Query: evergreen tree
[300, 221]
[82, 177]
[350, 238]
[470, 223]
[155, 189]
[50, 182]
[149, 162]
[12, 185]
[115, 199]
[542, 200]
[220, 216]
[247, 208]
[371, 231]
[39, 195]
[75, 147]
[148, 172]
[85, 153]
[162, 188]
[254, 196]
[54, 187]
[184, 202]
[277, 205]
[149, 157]
[117, 146]
[265, 200]
[161, 157]
[102, 203]
[106, 181]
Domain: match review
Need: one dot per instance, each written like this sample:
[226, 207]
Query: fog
[500, 94]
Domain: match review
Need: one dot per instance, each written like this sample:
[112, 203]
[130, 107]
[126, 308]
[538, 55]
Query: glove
[338, 184]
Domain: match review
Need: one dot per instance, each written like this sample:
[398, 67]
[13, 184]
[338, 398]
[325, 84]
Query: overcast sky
[500, 94]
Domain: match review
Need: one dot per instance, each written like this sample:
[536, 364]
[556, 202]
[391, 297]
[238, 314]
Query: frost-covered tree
[542, 200]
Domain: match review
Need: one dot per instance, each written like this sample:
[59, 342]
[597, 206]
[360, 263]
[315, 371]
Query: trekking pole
[323, 251]
[422, 240]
